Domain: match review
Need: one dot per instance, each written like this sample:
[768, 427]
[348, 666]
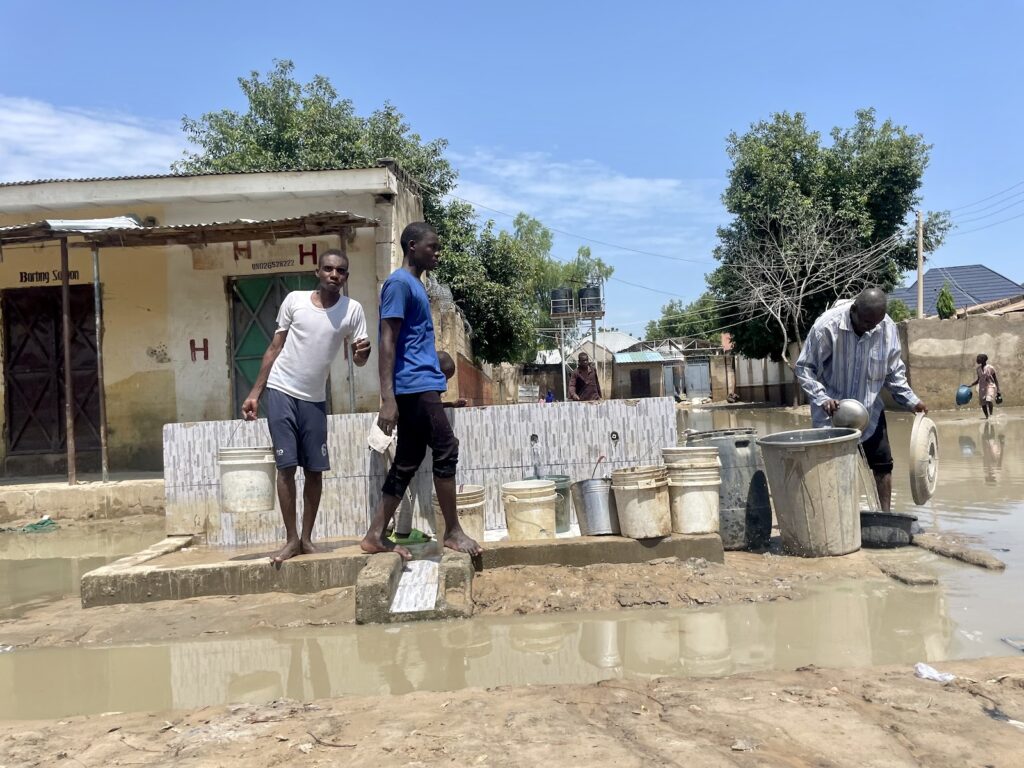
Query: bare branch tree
[788, 260]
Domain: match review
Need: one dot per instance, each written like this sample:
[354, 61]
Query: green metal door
[254, 305]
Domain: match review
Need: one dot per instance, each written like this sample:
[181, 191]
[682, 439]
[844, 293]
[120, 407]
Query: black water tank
[561, 301]
[590, 298]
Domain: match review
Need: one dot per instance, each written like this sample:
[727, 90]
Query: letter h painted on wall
[196, 349]
[243, 251]
[303, 253]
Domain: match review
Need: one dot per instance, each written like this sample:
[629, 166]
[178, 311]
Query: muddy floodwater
[37, 568]
[837, 624]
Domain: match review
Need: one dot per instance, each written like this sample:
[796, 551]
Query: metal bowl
[851, 414]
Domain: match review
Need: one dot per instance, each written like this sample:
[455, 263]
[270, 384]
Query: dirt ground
[745, 577]
[875, 718]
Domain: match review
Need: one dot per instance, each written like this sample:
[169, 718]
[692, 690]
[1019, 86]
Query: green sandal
[415, 536]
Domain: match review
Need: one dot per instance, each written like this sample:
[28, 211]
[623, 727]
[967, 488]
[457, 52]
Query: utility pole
[920, 267]
[561, 353]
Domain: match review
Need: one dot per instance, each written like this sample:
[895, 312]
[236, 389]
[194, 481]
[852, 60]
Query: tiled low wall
[495, 448]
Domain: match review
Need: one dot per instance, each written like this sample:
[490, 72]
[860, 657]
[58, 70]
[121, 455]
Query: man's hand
[920, 408]
[250, 408]
[388, 416]
[461, 403]
[830, 407]
[360, 351]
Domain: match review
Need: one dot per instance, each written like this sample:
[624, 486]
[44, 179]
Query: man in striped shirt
[852, 351]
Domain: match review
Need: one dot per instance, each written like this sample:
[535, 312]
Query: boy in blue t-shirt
[411, 383]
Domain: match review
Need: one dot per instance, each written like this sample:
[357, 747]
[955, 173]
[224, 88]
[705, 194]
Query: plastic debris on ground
[1015, 642]
[42, 525]
[926, 672]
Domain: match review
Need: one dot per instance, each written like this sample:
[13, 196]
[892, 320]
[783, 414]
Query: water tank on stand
[591, 300]
[562, 304]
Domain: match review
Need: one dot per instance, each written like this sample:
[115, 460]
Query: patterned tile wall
[495, 448]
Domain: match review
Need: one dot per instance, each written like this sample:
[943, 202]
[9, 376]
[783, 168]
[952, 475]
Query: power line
[987, 226]
[996, 212]
[986, 199]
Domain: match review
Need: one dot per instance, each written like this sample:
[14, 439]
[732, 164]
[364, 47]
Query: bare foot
[290, 550]
[460, 542]
[309, 548]
[375, 544]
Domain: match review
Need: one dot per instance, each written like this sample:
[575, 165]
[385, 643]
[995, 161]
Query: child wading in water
[988, 385]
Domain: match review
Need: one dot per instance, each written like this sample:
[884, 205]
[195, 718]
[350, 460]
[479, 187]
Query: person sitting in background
[988, 385]
[549, 397]
[584, 384]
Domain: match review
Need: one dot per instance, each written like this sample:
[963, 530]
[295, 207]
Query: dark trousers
[421, 423]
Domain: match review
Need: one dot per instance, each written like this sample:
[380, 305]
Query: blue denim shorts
[298, 430]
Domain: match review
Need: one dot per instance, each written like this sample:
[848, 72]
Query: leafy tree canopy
[698, 319]
[864, 182]
[945, 305]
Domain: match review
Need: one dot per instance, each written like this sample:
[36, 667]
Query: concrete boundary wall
[495, 448]
[940, 355]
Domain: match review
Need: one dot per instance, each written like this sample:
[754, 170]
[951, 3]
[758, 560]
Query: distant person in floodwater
[411, 383]
[584, 384]
[988, 385]
[311, 328]
[851, 352]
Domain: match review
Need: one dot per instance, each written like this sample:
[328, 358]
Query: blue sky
[605, 120]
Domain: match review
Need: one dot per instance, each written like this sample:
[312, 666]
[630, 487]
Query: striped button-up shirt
[836, 364]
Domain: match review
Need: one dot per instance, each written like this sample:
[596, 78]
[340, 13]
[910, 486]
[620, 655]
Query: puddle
[37, 568]
[847, 624]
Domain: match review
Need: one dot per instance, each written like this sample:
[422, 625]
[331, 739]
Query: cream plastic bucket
[529, 507]
[643, 509]
[248, 479]
[469, 503]
[693, 500]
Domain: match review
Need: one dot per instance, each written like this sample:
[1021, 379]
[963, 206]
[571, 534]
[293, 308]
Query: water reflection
[850, 624]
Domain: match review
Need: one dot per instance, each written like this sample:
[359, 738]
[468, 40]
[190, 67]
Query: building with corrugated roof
[186, 317]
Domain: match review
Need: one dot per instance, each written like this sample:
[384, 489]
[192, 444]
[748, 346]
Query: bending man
[411, 383]
[311, 327]
[851, 352]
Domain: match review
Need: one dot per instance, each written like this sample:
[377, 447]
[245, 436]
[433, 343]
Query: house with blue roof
[971, 285]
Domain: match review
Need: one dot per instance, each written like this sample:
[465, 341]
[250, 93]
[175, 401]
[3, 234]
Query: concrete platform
[173, 570]
[124, 495]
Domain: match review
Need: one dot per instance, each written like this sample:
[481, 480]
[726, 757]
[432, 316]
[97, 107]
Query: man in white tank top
[311, 328]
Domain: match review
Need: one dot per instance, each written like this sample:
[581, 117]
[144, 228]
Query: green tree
[847, 200]
[945, 305]
[290, 125]
[898, 310]
[698, 319]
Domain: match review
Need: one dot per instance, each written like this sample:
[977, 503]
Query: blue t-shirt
[417, 369]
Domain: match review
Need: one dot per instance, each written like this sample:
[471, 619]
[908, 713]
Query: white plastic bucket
[248, 479]
[529, 507]
[469, 503]
[693, 505]
[643, 509]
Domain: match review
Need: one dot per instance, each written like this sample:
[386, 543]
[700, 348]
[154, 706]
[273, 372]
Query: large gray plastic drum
[813, 475]
[744, 504]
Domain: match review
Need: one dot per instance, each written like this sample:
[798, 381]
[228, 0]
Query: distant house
[971, 285]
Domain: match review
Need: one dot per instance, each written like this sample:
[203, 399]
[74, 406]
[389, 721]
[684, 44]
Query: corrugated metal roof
[970, 285]
[646, 356]
[52, 229]
[142, 177]
[613, 341]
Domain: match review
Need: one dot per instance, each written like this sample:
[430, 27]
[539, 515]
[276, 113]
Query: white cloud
[43, 141]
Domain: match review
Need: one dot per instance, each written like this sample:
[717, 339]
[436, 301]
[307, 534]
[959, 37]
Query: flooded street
[38, 568]
[839, 623]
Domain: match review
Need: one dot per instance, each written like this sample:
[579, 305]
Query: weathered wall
[494, 448]
[763, 381]
[940, 355]
[723, 376]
